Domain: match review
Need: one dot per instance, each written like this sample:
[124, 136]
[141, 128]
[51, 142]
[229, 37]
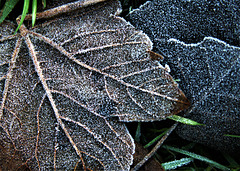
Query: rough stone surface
[200, 41]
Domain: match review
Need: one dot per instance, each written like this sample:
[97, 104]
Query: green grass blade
[24, 13]
[158, 130]
[176, 163]
[34, 11]
[234, 136]
[177, 80]
[183, 120]
[231, 161]
[138, 132]
[44, 3]
[8, 6]
[155, 139]
[196, 156]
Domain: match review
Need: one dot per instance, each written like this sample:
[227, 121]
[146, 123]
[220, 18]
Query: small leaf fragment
[155, 56]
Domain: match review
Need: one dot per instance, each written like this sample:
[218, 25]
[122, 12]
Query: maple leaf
[63, 83]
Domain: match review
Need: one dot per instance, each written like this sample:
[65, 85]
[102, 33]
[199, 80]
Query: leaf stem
[157, 146]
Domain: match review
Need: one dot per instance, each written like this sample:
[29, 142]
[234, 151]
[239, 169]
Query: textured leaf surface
[208, 70]
[63, 83]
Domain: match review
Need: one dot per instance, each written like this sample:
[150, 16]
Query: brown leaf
[64, 80]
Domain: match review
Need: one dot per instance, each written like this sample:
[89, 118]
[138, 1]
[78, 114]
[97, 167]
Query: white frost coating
[138, 9]
[199, 43]
[119, 10]
[167, 68]
[133, 147]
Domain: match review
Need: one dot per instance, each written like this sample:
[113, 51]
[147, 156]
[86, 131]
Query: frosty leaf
[208, 70]
[63, 82]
